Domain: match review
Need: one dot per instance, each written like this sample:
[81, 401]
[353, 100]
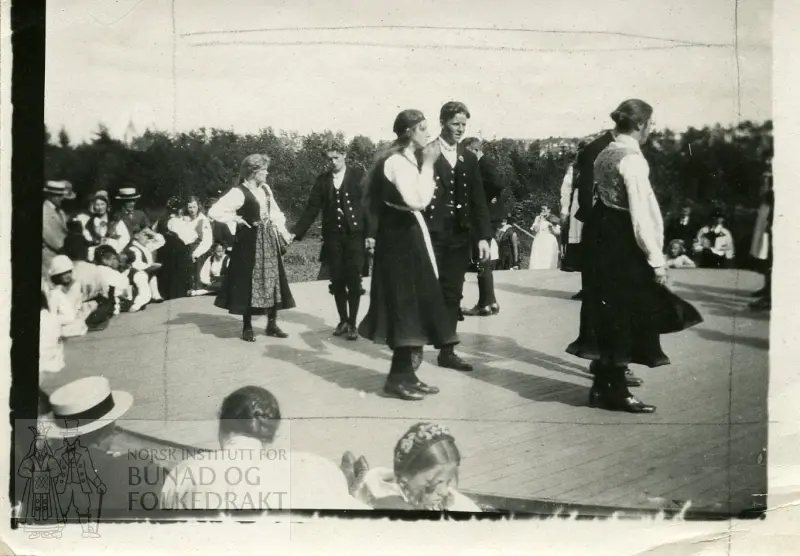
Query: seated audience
[714, 243]
[425, 474]
[138, 294]
[213, 272]
[51, 342]
[683, 227]
[176, 275]
[108, 263]
[248, 424]
[100, 229]
[677, 257]
[143, 248]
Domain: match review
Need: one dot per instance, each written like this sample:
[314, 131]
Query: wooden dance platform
[521, 418]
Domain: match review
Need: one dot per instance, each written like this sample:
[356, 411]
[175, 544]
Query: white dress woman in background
[544, 251]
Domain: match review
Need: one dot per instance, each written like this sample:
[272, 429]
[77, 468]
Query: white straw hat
[84, 406]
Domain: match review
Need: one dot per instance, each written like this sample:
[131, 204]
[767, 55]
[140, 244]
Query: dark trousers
[452, 250]
[486, 284]
[344, 256]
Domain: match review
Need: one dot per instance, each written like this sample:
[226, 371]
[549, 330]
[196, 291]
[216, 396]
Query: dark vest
[251, 209]
[338, 209]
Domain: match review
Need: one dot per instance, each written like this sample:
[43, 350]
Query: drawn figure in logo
[41, 512]
[77, 472]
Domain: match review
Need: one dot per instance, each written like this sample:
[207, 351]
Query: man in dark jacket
[487, 302]
[338, 194]
[456, 217]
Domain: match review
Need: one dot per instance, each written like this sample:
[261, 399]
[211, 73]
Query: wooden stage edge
[521, 420]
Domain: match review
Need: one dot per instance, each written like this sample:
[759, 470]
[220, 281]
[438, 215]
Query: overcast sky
[112, 62]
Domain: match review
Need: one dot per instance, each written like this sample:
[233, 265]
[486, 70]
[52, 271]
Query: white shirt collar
[242, 442]
[628, 141]
[447, 147]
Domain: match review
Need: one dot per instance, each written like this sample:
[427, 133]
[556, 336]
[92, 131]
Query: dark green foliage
[711, 167]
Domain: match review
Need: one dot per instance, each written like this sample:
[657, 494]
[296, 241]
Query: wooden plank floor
[520, 418]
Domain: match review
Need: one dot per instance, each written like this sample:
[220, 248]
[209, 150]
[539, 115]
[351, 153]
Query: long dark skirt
[406, 306]
[176, 275]
[256, 279]
[624, 310]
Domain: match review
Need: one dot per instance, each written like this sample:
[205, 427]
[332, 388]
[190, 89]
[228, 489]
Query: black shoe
[247, 335]
[341, 329]
[403, 391]
[632, 405]
[352, 333]
[420, 386]
[478, 311]
[578, 296]
[275, 332]
[631, 380]
[601, 399]
[450, 360]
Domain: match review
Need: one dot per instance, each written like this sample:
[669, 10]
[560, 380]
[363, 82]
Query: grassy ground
[302, 260]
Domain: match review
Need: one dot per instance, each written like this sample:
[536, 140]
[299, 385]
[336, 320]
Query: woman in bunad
[201, 247]
[175, 277]
[268, 471]
[99, 228]
[626, 286]
[544, 251]
[256, 281]
[406, 309]
[424, 476]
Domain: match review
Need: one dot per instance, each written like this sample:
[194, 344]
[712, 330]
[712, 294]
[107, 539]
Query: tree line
[712, 167]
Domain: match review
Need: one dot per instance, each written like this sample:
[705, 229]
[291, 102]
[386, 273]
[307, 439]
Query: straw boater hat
[85, 406]
[56, 188]
[127, 194]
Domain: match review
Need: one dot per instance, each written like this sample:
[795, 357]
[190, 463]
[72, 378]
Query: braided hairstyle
[250, 411]
[423, 446]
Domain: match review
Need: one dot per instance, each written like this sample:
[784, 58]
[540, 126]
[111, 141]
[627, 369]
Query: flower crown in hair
[424, 435]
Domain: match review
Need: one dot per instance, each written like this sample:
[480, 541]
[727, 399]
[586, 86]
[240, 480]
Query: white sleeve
[648, 227]
[224, 210]
[205, 238]
[566, 191]
[144, 297]
[416, 187]
[276, 216]
[205, 273]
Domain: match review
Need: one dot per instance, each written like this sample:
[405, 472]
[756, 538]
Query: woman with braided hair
[256, 282]
[425, 474]
[255, 469]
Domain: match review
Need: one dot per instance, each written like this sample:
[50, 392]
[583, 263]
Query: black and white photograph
[419, 260]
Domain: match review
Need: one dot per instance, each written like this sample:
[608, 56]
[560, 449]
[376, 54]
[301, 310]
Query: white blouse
[415, 186]
[224, 210]
[118, 238]
[247, 475]
[648, 225]
[202, 226]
